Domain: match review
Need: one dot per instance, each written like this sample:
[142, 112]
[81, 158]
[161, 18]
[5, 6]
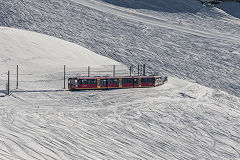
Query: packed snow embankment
[42, 56]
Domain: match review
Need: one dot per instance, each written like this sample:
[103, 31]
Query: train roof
[143, 76]
[91, 77]
[99, 77]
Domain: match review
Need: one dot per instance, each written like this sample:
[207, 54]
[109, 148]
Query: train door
[120, 82]
[135, 82]
[98, 83]
[139, 82]
[103, 83]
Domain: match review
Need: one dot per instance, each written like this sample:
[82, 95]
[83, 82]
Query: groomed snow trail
[179, 120]
[151, 20]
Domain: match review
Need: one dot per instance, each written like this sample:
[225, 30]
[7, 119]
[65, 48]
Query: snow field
[177, 120]
[197, 49]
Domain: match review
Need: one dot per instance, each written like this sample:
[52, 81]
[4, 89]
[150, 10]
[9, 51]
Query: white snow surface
[201, 44]
[35, 51]
[178, 120]
[42, 57]
[122, 12]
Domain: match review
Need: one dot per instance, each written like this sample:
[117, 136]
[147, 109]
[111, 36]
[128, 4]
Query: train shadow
[37, 91]
[186, 96]
[3, 93]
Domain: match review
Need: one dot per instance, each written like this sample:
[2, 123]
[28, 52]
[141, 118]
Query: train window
[92, 81]
[147, 80]
[72, 82]
[116, 81]
[124, 81]
[83, 81]
[113, 81]
[143, 80]
[127, 80]
[110, 81]
[79, 81]
[103, 82]
[135, 81]
[87, 81]
[158, 80]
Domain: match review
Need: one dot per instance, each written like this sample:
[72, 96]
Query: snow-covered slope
[232, 8]
[154, 20]
[38, 55]
[179, 120]
[191, 6]
[170, 45]
[36, 51]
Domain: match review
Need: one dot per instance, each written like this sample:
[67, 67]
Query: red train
[85, 83]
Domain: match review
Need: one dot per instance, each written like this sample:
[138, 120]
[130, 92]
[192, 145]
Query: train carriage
[144, 81]
[102, 83]
[87, 83]
[147, 81]
[137, 82]
[127, 82]
[84, 83]
[158, 81]
[72, 83]
[114, 82]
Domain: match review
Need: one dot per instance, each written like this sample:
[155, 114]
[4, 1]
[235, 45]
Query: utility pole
[64, 77]
[8, 85]
[144, 70]
[138, 70]
[141, 70]
[130, 70]
[114, 70]
[88, 71]
[17, 78]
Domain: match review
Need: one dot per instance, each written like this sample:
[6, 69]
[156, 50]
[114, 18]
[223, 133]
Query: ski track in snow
[151, 123]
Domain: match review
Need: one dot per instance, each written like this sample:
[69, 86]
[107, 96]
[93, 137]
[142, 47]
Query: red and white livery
[85, 83]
